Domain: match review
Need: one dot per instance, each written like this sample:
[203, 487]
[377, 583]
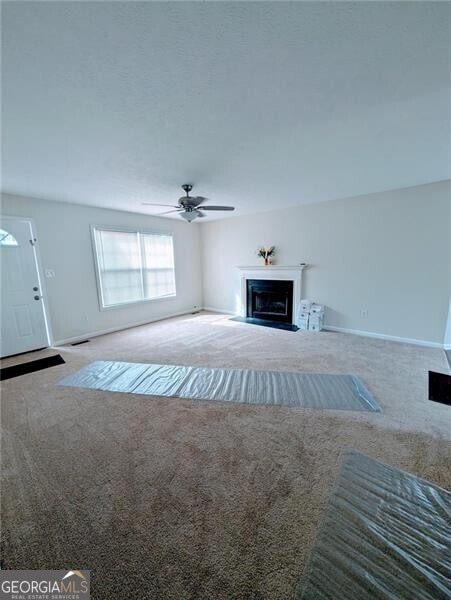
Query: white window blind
[157, 265]
[133, 266]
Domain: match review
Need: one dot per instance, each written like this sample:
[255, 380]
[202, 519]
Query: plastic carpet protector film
[321, 391]
[386, 535]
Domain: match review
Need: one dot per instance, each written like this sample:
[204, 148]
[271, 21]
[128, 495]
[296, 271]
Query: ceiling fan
[189, 207]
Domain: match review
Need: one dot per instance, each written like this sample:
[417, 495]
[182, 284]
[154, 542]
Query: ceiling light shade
[189, 215]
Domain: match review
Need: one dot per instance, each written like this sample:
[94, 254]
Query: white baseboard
[447, 346]
[219, 310]
[383, 336]
[91, 334]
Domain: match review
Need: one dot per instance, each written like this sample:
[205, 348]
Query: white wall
[447, 339]
[387, 253]
[65, 246]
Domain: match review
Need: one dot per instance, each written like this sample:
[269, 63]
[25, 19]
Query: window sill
[137, 302]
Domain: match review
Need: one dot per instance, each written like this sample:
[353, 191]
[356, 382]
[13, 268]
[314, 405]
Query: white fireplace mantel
[273, 268]
[292, 273]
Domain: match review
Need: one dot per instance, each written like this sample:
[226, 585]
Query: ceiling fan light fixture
[189, 215]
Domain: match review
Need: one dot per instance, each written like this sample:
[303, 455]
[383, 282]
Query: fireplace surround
[272, 274]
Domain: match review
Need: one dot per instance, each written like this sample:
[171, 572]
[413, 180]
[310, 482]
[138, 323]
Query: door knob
[37, 297]
[35, 289]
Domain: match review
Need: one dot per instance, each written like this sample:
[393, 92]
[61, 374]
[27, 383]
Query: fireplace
[280, 302]
[270, 300]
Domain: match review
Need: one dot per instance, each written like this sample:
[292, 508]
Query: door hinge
[33, 241]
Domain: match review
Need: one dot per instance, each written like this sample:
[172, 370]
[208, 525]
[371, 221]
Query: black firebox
[270, 299]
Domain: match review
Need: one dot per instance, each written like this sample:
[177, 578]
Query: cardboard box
[316, 317]
[303, 324]
[317, 309]
[315, 326]
[305, 305]
[316, 321]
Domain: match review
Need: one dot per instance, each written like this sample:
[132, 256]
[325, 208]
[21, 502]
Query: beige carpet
[181, 499]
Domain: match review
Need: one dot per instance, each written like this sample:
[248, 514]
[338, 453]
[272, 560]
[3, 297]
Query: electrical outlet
[364, 313]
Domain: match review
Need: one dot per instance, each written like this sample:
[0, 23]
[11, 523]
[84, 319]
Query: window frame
[120, 229]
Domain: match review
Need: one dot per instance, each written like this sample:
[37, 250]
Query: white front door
[23, 321]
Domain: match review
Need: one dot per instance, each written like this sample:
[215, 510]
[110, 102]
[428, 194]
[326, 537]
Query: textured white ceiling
[260, 104]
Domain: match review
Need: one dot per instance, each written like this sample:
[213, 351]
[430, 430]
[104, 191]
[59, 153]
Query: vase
[266, 261]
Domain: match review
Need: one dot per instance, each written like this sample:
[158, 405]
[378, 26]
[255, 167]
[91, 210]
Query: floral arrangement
[266, 253]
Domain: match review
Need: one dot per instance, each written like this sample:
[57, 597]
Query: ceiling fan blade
[217, 207]
[153, 204]
[168, 212]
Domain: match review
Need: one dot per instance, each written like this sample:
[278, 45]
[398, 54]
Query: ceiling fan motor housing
[186, 203]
